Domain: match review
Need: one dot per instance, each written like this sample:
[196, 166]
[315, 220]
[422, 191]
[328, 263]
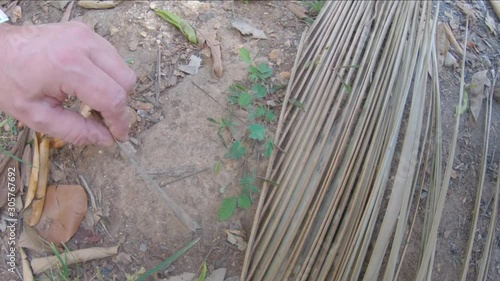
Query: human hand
[42, 65]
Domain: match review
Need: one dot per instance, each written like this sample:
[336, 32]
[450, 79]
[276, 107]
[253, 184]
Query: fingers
[71, 126]
[108, 60]
[101, 92]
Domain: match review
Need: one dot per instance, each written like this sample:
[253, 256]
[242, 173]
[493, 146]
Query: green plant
[62, 271]
[168, 261]
[315, 6]
[251, 96]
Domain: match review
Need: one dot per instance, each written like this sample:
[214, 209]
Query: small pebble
[143, 247]
[133, 45]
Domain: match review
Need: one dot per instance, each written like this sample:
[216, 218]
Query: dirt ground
[172, 140]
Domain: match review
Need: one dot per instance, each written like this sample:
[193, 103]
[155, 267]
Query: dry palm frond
[362, 64]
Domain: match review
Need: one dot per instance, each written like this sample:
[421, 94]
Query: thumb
[68, 125]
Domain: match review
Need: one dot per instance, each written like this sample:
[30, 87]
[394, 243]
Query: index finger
[101, 92]
[106, 57]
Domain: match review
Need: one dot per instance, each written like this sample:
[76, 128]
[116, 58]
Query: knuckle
[119, 101]
[80, 28]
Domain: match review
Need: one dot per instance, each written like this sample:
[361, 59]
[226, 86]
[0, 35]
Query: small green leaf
[260, 111]
[216, 168]
[257, 131]
[245, 56]
[11, 155]
[250, 189]
[185, 28]
[254, 73]
[347, 88]
[247, 180]
[269, 116]
[213, 121]
[203, 273]
[227, 207]
[244, 100]
[268, 146]
[236, 151]
[244, 200]
[129, 61]
[259, 91]
[264, 70]
[226, 123]
[464, 104]
[236, 89]
[296, 103]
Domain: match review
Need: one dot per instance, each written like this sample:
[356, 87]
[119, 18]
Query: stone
[285, 75]
[133, 45]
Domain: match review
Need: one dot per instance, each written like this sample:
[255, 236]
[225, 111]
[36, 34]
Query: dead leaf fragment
[453, 40]
[467, 9]
[490, 23]
[450, 60]
[27, 274]
[476, 92]
[192, 67]
[235, 237]
[42, 264]
[210, 39]
[247, 29]
[297, 10]
[123, 258]
[88, 4]
[17, 14]
[30, 239]
[217, 275]
[442, 43]
[65, 208]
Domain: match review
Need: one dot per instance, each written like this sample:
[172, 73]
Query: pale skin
[40, 66]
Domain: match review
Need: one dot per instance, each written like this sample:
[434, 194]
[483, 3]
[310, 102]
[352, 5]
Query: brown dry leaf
[30, 239]
[65, 208]
[236, 237]
[476, 92]
[9, 164]
[453, 40]
[210, 39]
[27, 273]
[490, 23]
[467, 9]
[298, 11]
[442, 43]
[40, 265]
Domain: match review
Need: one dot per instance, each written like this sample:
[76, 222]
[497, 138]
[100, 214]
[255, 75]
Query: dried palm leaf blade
[34, 211]
[361, 66]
